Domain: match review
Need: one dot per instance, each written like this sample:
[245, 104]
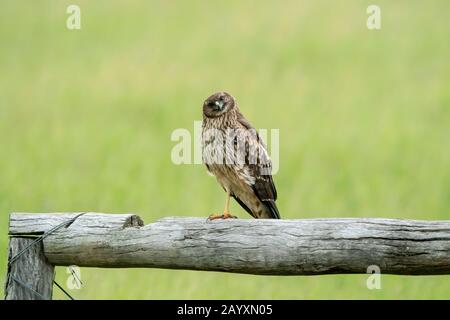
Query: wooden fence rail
[262, 247]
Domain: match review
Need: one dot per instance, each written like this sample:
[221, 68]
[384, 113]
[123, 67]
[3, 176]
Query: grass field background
[364, 118]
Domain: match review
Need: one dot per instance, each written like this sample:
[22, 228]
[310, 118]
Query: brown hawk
[234, 153]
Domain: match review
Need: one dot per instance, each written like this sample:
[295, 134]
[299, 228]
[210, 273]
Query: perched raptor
[234, 153]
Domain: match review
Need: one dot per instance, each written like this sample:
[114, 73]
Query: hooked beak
[219, 105]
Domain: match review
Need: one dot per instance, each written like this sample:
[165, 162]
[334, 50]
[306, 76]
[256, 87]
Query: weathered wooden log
[267, 247]
[21, 224]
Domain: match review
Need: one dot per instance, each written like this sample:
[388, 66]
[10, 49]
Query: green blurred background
[364, 118]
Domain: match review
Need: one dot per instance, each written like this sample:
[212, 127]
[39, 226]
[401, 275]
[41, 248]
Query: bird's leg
[226, 212]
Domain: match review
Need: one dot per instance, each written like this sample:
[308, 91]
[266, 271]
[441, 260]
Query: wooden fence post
[30, 276]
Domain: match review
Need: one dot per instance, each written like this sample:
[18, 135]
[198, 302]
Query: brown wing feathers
[264, 187]
[266, 192]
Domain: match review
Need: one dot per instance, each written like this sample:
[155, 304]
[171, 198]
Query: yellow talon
[221, 216]
[226, 215]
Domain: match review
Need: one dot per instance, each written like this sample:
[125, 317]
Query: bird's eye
[210, 104]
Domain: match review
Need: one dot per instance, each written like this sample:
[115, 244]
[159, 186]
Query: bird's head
[218, 104]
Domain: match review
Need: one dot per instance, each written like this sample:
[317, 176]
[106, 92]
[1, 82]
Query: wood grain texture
[38, 223]
[32, 269]
[266, 247]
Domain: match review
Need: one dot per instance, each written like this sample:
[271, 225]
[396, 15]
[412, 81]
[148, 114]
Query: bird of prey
[234, 153]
